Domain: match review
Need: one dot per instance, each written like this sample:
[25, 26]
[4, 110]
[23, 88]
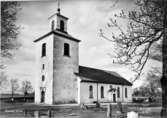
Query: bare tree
[147, 25]
[14, 87]
[9, 29]
[26, 88]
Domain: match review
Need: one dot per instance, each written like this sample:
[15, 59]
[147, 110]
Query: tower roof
[58, 15]
[65, 35]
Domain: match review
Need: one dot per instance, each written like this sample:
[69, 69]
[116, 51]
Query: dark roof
[62, 34]
[88, 74]
[58, 15]
[62, 16]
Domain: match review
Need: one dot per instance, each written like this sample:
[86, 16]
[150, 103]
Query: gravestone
[132, 114]
[120, 107]
[36, 114]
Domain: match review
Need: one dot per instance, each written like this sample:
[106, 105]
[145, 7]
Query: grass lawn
[24, 110]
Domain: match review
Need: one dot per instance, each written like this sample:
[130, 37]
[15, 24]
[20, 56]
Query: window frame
[91, 92]
[126, 93]
[43, 66]
[53, 24]
[43, 50]
[102, 91]
[62, 25]
[66, 49]
[43, 78]
[118, 92]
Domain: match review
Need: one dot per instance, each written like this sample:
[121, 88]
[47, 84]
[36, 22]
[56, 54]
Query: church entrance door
[42, 96]
[114, 98]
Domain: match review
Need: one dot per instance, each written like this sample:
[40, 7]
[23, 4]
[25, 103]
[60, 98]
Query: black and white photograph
[83, 59]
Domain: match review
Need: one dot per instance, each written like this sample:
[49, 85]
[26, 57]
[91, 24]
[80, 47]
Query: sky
[86, 17]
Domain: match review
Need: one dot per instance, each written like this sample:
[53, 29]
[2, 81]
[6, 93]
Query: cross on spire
[58, 6]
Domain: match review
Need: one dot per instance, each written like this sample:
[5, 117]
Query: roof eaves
[58, 15]
[62, 16]
[49, 33]
[63, 35]
[103, 82]
[66, 36]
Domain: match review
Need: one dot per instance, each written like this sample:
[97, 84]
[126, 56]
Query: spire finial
[58, 6]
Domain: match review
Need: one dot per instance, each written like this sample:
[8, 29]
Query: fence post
[49, 113]
[109, 111]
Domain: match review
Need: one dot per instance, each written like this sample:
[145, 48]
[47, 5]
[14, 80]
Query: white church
[59, 77]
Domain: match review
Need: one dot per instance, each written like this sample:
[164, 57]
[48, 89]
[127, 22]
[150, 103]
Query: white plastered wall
[47, 72]
[108, 96]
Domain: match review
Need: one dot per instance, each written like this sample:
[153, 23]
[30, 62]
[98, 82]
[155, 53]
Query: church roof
[59, 33]
[88, 74]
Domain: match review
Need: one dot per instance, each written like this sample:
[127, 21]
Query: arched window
[90, 91]
[66, 49]
[53, 24]
[61, 25]
[102, 92]
[42, 96]
[118, 92]
[43, 78]
[126, 93]
[43, 49]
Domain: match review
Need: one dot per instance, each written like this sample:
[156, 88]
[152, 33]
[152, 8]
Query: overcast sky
[85, 19]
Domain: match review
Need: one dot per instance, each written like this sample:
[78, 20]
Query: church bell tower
[58, 22]
[57, 63]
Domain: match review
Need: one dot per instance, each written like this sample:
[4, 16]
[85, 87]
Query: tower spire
[58, 6]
